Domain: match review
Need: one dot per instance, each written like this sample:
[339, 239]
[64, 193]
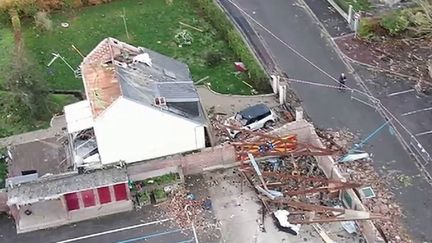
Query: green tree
[14, 7]
[27, 87]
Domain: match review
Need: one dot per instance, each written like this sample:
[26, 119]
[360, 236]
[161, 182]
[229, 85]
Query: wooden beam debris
[190, 26]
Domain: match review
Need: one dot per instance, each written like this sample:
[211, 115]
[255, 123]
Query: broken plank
[322, 233]
[190, 26]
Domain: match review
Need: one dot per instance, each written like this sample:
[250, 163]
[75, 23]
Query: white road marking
[400, 92]
[113, 231]
[424, 133]
[416, 111]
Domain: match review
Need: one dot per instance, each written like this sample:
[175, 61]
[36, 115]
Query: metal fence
[352, 17]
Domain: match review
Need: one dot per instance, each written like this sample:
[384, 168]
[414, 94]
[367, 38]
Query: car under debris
[252, 118]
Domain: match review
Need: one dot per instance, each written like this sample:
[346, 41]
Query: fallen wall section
[306, 134]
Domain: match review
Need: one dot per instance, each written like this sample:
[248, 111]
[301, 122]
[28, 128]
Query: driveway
[229, 104]
[329, 108]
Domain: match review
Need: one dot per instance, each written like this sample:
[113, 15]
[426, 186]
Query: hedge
[28, 8]
[219, 20]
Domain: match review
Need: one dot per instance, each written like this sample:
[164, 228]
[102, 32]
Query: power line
[374, 99]
[283, 42]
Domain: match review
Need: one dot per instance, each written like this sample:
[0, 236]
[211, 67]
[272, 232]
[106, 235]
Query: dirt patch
[405, 56]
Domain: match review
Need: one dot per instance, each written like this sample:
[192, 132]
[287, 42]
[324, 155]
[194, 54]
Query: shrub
[370, 27]
[48, 5]
[43, 21]
[395, 23]
[213, 59]
[73, 3]
[97, 2]
[159, 194]
[219, 20]
[357, 5]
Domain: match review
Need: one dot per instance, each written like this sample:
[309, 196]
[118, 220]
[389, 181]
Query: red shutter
[120, 192]
[88, 198]
[104, 195]
[72, 201]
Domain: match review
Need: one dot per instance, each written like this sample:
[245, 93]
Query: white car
[251, 118]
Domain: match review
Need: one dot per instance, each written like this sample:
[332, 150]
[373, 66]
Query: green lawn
[10, 124]
[151, 23]
[358, 5]
[6, 47]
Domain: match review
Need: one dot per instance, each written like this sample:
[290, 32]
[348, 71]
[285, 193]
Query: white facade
[78, 116]
[128, 131]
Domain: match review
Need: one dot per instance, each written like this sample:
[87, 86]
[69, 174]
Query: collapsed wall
[306, 134]
[224, 156]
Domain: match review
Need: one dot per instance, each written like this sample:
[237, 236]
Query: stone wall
[222, 156]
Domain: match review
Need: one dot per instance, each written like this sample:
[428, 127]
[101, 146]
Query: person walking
[342, 80]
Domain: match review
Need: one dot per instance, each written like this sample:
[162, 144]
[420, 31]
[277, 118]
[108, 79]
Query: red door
[88, 198]
[104, 195]
[120, 192]
[72, 201]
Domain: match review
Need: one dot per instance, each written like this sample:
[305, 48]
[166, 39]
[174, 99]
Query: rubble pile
[405, 58]
[383, 202]
[220, 123]
[185, 209]
[300, 180]
[342, 139]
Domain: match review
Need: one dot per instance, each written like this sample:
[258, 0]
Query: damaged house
[140, 105]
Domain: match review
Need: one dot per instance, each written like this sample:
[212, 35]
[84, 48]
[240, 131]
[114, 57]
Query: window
[72, 201]
[120, 192]
[88, 198]
[104, 195]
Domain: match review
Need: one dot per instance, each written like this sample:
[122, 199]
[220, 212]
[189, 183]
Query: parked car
[251, 118]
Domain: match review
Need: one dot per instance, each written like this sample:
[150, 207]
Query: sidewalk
[56, 130]
[331, 109]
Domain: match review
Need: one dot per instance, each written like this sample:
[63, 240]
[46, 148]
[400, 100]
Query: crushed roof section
[45, 156]
[111, 70]
[55, 186]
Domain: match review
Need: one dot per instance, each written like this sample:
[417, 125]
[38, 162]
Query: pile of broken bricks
[383, 202]
[186, 210]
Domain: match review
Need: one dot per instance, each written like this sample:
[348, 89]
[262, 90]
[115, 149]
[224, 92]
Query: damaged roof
[55, 186]
[115, 69]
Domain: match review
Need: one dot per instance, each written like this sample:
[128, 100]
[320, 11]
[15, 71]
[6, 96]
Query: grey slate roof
[166, 78]
[177, 91]
[58, 185]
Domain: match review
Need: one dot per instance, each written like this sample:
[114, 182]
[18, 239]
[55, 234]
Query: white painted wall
[128, 131]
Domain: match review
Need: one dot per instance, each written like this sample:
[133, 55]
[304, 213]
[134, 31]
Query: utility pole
[124, 22]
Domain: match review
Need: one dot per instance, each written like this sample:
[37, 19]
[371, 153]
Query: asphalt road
[146, 225]
[329, 108]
